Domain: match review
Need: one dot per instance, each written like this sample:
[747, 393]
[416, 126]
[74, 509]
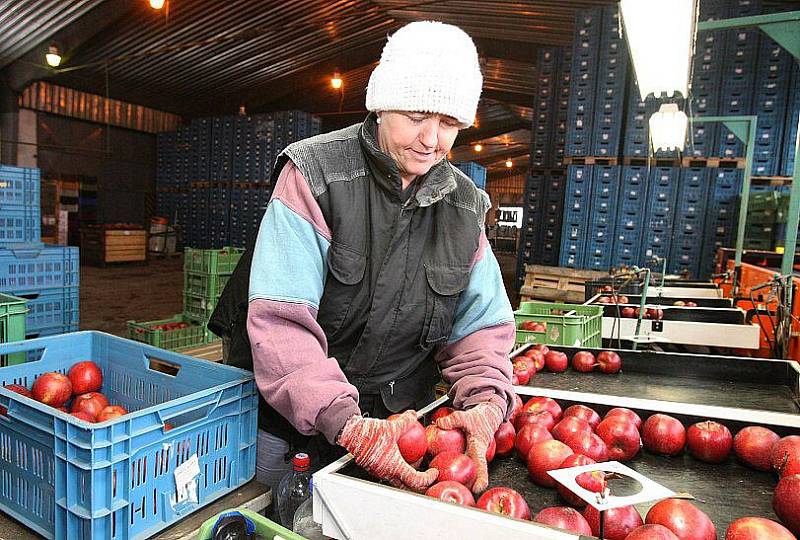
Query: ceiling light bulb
[156, 4]
[336, 81]
[478, 147]
[509, 163]
[52, 57]
[668, 128]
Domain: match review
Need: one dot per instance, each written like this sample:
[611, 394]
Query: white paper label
[185, 475]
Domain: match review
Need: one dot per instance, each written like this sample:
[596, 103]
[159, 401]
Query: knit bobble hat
[429, 67]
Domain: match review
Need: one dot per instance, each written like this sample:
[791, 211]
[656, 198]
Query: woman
[371, 272]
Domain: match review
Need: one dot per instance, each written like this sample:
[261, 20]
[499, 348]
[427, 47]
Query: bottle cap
[301, 461]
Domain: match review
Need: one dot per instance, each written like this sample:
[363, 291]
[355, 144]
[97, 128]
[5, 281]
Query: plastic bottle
[293, 489]
[304, 523]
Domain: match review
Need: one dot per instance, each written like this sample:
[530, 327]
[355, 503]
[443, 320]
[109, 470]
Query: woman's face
[416, 141]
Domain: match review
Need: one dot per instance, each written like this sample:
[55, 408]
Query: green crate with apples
[573, 325]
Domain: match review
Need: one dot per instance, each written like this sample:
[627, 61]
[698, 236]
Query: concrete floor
[113, 295]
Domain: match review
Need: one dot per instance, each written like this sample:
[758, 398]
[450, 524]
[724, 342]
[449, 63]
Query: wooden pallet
[208, 351]
[555, 284]
[548, 171]
[591, 160]
[714, 162]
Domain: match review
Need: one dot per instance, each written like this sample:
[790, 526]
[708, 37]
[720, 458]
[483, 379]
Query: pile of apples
[166, 327]
[539, 357]
[81, 384]
[533, 326]
[546, 438]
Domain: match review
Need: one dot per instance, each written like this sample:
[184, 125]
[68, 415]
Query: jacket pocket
[445, 285]
[346, 268]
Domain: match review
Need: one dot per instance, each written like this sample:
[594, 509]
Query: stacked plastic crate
[555, 189]
[688, 228]
[707, 63]
[46, 276]
[662, 192]
[772, 80]
[637, 140]
[575, 228]
[475, 171]
[721, 216]
[603, 218]
[736, 98]
[630, 217]
[610, 92]
[563, 92]
[543, 151]
[585, 65]
[531, 235]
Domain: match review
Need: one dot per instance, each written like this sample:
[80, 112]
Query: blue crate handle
[27, 252]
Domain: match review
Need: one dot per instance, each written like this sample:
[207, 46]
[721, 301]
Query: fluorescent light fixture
[668, 128]
[660, 36]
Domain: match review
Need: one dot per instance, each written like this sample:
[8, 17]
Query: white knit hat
[428, 66]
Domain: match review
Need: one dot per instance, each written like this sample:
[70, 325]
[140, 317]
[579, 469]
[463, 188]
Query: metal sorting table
[634, 299]
[707, 326]
[733, 391]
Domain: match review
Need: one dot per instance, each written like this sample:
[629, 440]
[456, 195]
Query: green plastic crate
[194, 334]
[12, 326]
[198, 308]
[209, 285]
[567, 324]
[265, 528]
[211, 261]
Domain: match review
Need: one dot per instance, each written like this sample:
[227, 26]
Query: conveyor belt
[634, 299]
[689, 314]
[744, 383]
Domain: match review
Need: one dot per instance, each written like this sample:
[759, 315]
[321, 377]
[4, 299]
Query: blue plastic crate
[20, 225]
[475, 171]
[19, 187]
[33, 268]
[791, 124]
[116, 479]
[51, 311]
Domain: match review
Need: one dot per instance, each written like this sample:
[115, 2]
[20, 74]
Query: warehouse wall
[123, 161]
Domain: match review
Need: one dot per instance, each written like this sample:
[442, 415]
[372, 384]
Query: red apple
[62, 409]
[506, 501]
[583, 361]
[537, 357]
[449, 491]
[568, 427]
[523, 369]
[584, 413]
[757, 528]
[621, 438]
[592, 481]
[625, 413]
[786, 501]
[85, 377]
[562, 517]
[441, 412]
[86, 417]
[556, 361]
[683, 518]
[111, 412]
[444, 440]
[528, 436]
[546, 456]
[663, 434]
[628, 312]
[526, 326]
[504, 438]
[622, 299]
[679, 303]
[590, 445]
[91, 403]
[412, 443]
[619, 522]
[539, 417]
[709, 441]
[691, 304]
[456, 467]
[603, 300]
[539, 403]
[609, 362]
[655, 313]
[652, 532]
[752, 446]
[52, 389]
[785, 455]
